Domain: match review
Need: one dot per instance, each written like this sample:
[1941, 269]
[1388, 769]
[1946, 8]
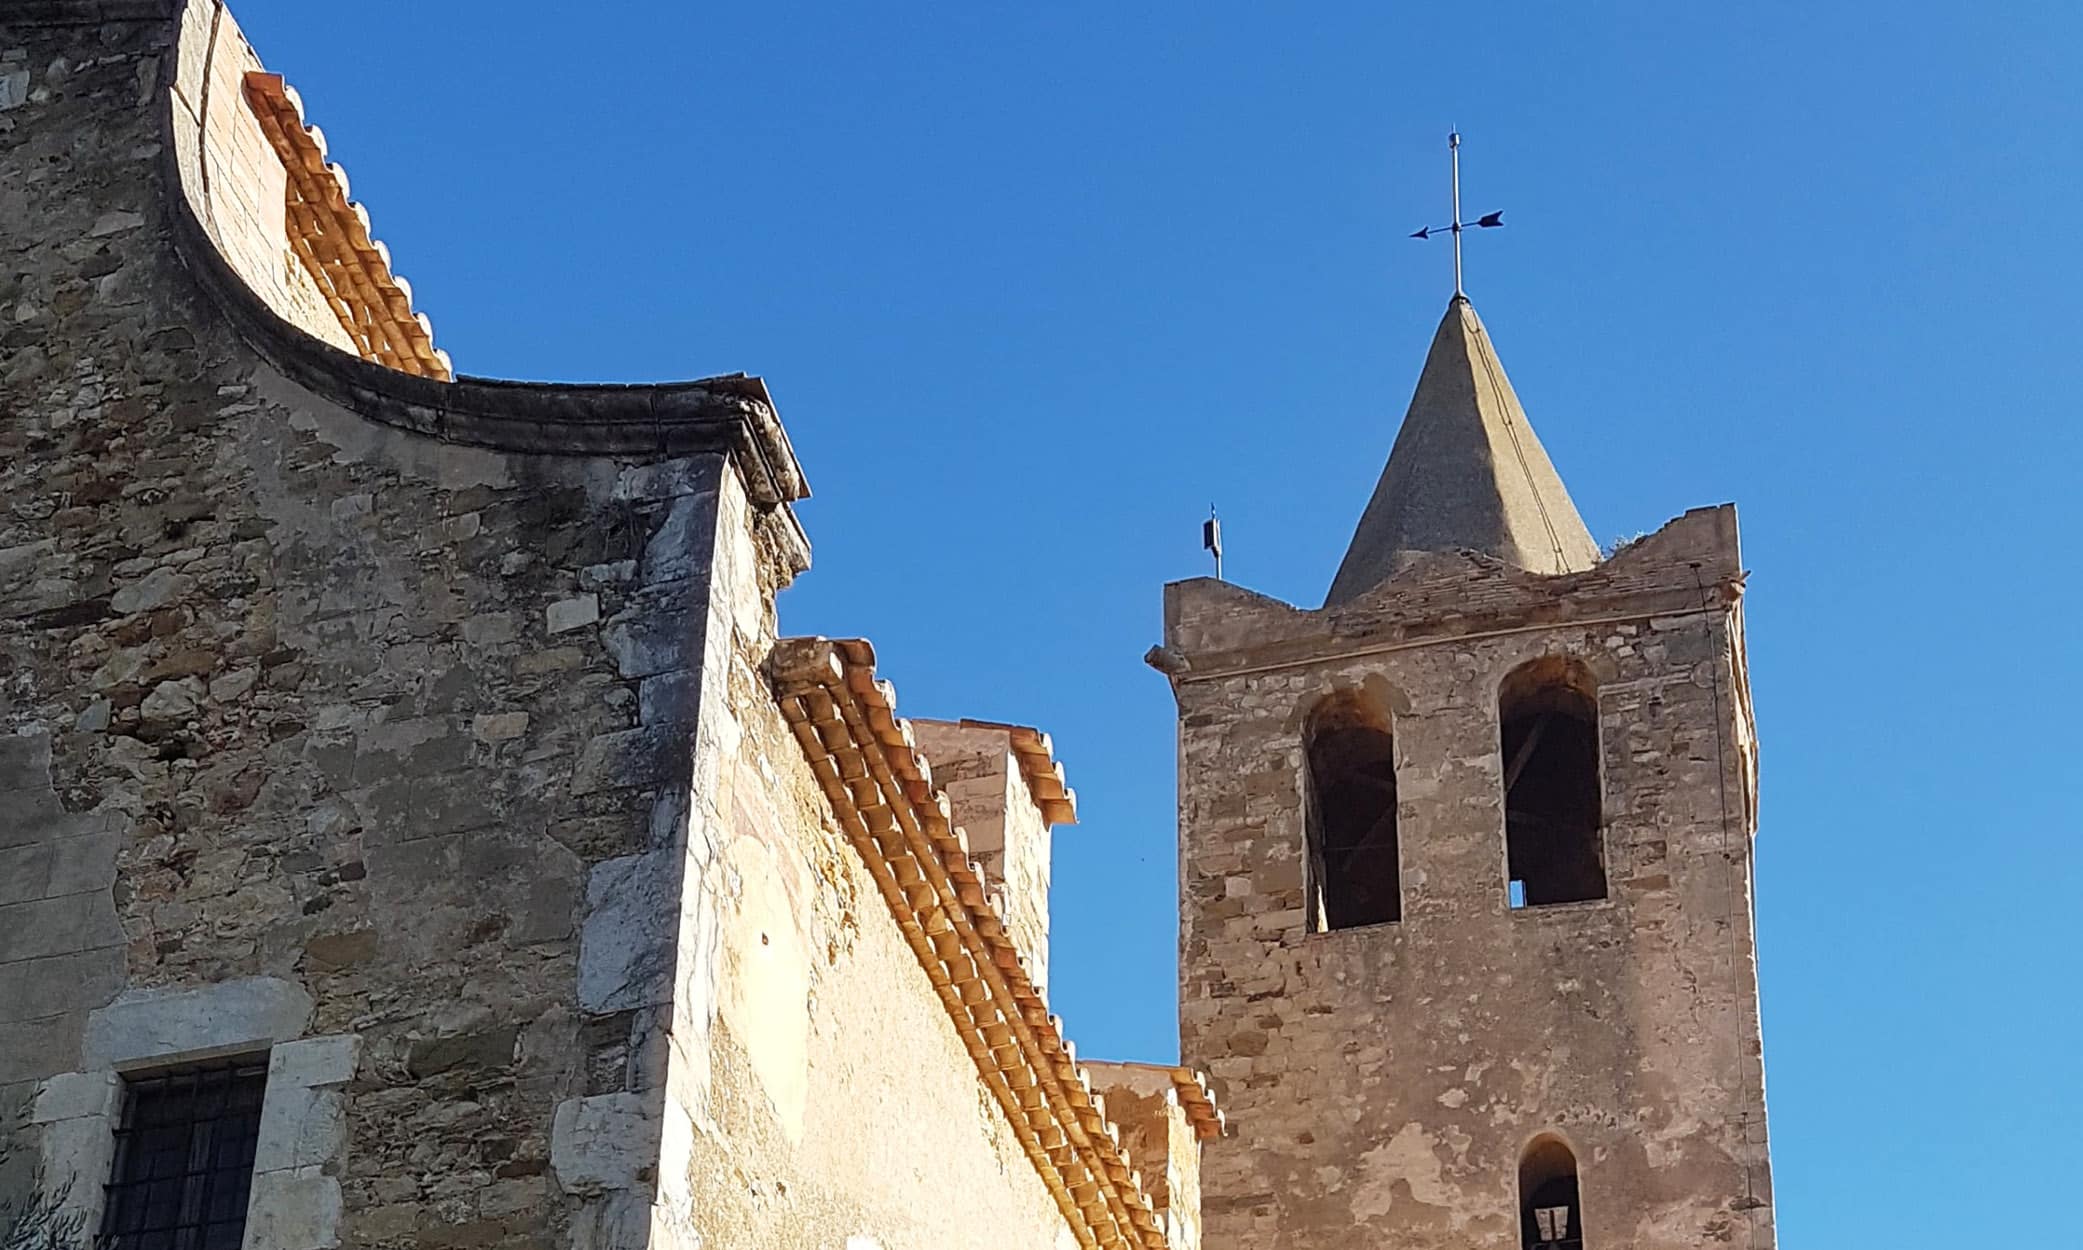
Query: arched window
[1551, 1212]
[1547, 713]
[1353, 873]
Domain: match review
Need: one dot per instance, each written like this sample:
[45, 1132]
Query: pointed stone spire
[1466, 473]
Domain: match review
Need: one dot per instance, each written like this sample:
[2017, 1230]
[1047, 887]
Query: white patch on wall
[766, 981]
[1411, 1157]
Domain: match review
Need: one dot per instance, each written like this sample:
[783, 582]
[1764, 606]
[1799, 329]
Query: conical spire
[1466, 473]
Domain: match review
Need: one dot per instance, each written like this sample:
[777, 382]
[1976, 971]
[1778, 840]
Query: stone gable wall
[453, 764]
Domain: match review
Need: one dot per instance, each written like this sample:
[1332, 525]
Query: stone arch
[1548, 746]
[1355, 873]
[1551, 1206]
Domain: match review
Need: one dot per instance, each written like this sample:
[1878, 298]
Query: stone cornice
[84, 12]
[1216, 629]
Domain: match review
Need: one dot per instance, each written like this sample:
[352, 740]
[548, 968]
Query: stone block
[604, 1142]
[488, 1048]
[166, 1025]
[573, 613]
[57, 926]
[684, 544]
[69, 982]
[293, 1209]
[667, 479]
[25, 871]
[155, 589]
[71, 1095]
[82, 864]
[94, 718]
[500, 726]
[404, 809]
[490, 629]
[25, 762]
[330, 952]
[660, 628]
[632, 759]
[77, 1154]
[315, 1061]
[669, 698]
[626, 941]
[171, 702]
[32, 1048]
[299, 1127]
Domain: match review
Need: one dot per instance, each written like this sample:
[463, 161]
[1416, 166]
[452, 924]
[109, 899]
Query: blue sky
[1035, 284]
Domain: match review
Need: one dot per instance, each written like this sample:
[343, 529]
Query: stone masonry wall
[450, 770]
[1384, 1081]
[292, 696]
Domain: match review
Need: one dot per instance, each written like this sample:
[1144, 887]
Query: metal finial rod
[1454, 224]
[1454, 154]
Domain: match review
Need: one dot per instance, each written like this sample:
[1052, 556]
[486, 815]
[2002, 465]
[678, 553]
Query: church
[417, 829]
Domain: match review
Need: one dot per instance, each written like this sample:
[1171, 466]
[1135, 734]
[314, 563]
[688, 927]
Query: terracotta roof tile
[330, 235]
[882, 793]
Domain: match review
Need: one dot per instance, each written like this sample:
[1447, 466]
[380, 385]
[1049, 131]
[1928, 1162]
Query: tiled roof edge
[882, 793]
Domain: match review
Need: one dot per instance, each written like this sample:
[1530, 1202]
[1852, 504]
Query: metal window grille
[184, 1159]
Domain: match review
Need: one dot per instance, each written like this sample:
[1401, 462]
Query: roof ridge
[1491, 367]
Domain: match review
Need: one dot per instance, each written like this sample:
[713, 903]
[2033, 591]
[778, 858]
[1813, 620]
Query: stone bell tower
[1465, 866]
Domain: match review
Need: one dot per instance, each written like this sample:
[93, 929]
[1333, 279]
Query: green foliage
[1621, 544]
[39, 1221]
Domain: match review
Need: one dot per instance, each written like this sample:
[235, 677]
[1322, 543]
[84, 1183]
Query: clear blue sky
[1034, 284]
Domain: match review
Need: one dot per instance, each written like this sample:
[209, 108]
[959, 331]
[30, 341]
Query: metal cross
[1456, 226]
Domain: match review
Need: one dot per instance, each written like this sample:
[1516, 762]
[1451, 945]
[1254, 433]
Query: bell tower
[1466, 933]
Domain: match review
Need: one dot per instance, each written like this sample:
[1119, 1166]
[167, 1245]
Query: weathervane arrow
[1488, 221]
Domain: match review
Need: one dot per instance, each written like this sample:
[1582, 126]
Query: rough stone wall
[290, 695]
[1008, 834]
[451, 764]
[1384, 1081]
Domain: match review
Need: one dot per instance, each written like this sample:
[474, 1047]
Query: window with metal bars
[184, 1158]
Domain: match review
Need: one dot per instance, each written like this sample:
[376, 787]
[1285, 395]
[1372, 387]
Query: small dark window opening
[1352, 816]
[184, 1158]
[1548, 721]
[1551, 1212]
